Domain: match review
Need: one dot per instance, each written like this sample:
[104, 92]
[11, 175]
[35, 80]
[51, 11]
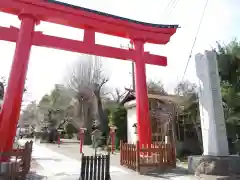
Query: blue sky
[48, 67]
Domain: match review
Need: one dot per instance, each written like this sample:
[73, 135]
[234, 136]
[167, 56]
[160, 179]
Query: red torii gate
[31, 12]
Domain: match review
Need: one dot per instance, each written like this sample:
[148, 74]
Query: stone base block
[214, 165]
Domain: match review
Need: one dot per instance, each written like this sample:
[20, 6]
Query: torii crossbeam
[31, 12]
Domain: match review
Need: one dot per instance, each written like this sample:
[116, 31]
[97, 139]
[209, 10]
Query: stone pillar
[210, 104]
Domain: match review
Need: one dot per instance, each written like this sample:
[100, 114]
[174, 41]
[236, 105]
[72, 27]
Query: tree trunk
[102, 116]
[87, 122]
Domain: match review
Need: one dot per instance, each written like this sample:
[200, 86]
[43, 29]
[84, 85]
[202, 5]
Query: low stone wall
[214, 165]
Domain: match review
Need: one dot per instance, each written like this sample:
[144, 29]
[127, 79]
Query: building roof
[162, 97]
[183, 102]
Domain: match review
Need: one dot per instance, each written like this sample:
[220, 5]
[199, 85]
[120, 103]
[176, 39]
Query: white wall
[131, 120]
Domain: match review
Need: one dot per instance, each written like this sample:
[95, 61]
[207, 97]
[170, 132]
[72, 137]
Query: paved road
[63, 163]
[71, 150]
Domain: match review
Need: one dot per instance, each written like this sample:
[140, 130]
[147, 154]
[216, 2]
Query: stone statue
[96, 138]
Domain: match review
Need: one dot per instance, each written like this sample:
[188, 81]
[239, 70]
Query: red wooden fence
[158, 155]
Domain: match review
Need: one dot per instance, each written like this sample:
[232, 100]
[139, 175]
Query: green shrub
[118, 118]
[70, 129]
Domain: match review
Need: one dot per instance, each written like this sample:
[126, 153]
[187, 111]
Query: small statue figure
[96, 138]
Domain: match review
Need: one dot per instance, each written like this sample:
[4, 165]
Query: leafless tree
[87, 80]
[189, 89]
[30, 116]
[156, 87]
[117, 95]
[185, 88]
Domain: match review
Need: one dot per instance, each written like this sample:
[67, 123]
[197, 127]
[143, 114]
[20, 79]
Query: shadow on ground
[209, 177]
[47, 159]
[179, 171]
[167, 173]
[35, 176]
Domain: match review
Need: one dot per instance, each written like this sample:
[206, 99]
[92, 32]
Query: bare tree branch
[87, 80]
[117, 95]
[87, 76]
[156, 87]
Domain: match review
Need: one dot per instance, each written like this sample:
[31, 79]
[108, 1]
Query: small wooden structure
[95, 167]
[157, 156]
[19, 165]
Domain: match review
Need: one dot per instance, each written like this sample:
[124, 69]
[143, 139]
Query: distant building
[186, 134]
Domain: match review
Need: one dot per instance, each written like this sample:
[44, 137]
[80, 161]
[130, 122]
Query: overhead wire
[173, 6]
[195, 39]
[169, 6]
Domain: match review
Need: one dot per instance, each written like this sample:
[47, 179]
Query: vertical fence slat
[174, 156]
[87, 167]
[91, 168]
[95, 168]
[137, 157]
[102, 167]
[121, 151]
[83, 167]
[99, 168]
[132, 158]
[127, 154]
[107, 169]
[153, 155]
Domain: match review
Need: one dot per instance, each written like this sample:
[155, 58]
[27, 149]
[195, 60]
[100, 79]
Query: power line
[133, 67]
[173, 6]
[169, 5]
[195, 39]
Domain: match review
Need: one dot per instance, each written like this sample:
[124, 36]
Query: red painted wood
[13, 95]
[68, 16]
[143, 119]
[11, 34]
[135, 157]
[81, 138]
[91, 23]
[89, 36]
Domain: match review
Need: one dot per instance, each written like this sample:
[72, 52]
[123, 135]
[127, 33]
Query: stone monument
[215, 159]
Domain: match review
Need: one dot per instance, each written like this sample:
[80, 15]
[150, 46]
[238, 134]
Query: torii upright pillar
[14, 92]
[143, 120]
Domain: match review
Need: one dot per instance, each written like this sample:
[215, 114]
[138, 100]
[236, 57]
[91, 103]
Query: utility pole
[130, 46]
